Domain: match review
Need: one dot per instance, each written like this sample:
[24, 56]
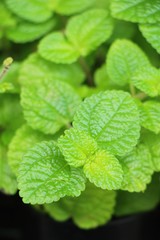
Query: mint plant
[80, 107]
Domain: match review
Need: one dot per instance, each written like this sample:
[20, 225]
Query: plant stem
[132, 90]
[86, 70]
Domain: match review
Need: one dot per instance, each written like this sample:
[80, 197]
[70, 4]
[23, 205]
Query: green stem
[3, 73]
[132, 90]
[86, 70]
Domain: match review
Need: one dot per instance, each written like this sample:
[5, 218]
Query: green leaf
[123, 30]
[32, 10]
[68, 7]
[152, 141]
[27, 32]
[37, 68]
[9, 82]
[49, 105]
[56, 48]
[104, 4]
[102, 79]
[44, 176]
[151, 32]
[89, 30]
[148, 81]
[93, 208]
[57, 211]
[104, 170]
[10, 112]
[7, 17]
[73, 146]
[131, 203]
[112, 119]
[150, 115]
[123, 59]
[8, 182]
[23, 140]
[138, 169]
[136, 11]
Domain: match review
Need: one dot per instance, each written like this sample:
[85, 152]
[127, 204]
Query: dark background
[21, 222]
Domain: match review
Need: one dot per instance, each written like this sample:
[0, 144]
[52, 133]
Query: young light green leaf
[77, 147]
[129, 203]
[32, 10]
[56, 48]
[37, 68]
[123, 59]
[49, 105]
[152, 141]
[138, 169]
[151, 32]
[23, 140]
[104, 170]
[148, 81]
[27, 32]
[136, 11]
[68, 7]
[112, 119]
[89, 30]
[44, 176]
[8, 183]
[150, 115]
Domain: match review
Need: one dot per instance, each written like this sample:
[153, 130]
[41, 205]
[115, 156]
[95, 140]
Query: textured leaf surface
[77, 147]
[150, 115]
[151, 32]
[23, 140]
[104, 170]
[137, 11]
[138, 169]
[27, 32]
[112, 119]
[32, 10]
[152, 141]
[8, 182]
[50, 106]
[148, 81]
[56, 48]
[44, 176]
[123, 59]
[129, 203]
[36, 68]
[89, 30]
[68, 7]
